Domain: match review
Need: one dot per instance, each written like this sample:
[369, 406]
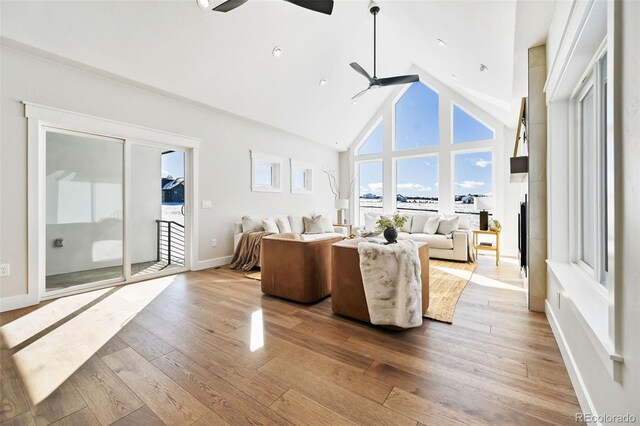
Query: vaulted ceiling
[225, 60]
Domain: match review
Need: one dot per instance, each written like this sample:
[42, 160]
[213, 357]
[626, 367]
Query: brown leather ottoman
[295, 269]
[347, 291]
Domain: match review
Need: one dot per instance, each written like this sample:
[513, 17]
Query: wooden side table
[477, 246]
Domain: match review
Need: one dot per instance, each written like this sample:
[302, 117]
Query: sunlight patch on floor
[46, 363]
[25, 327]
[490, 282]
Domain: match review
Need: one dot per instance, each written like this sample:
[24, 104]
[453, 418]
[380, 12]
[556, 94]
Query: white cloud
[375, 187]
[414, 186]
[471, 184]
[482, 163]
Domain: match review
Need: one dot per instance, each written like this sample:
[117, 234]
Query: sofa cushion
[297, 224]
[431, 226]
[269, 225]
[283, 225]
[370, 220]
[447, 226]
[464, 220]
[435, 241]
[318, 237]
[252, 223]
[327, 224]
[407, 225]
[313, 225]
[419, 220]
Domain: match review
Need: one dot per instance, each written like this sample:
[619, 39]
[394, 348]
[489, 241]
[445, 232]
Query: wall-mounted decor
[301, 177]
[266, 172]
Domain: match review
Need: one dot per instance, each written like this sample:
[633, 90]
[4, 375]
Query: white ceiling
[225, 61]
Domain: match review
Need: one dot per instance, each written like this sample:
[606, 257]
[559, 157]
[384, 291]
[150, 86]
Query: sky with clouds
[417, 127]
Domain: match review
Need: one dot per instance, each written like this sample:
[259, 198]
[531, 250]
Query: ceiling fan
[322, 6]
[375, 82]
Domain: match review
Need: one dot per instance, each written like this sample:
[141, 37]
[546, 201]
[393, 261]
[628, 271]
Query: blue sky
[173, 164]
[417, 126]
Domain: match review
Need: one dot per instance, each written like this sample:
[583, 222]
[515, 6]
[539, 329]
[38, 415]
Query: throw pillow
[283, 225]
[465, 220]
[297, 224]
[417, 223]
[269, 225]
[370, 220]
[327, 225]
[431, 227]
[251, 223]
[407, 225]
[447, 226]
[313, 225]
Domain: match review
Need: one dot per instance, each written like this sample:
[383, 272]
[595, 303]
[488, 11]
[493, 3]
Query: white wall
[225, 175]
[603, 387]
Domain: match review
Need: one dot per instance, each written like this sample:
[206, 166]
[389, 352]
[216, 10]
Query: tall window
[373, 144]
[370, 175]
[417, 118]
[591, 172]
[467, 128]
[417, 183]
[473, 180]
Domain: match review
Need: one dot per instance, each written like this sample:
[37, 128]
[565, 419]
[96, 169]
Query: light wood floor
[186, 359]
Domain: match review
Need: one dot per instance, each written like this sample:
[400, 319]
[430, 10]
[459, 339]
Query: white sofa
[454, 246]
[295, 222]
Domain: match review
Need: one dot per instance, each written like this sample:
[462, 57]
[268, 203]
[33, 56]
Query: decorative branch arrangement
[333, 183]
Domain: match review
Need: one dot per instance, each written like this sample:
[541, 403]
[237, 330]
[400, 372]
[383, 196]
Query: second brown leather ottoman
[347, 291]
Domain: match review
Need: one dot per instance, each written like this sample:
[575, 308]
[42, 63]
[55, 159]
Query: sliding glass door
[114, 210]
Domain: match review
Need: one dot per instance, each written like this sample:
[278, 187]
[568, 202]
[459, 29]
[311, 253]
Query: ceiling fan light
[203, 4]
[277, 52]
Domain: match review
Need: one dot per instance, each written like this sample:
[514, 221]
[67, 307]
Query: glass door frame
[40, 119]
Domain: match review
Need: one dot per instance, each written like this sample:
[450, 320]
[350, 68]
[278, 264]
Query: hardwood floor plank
[226, 401]
[114, 344]
[427, 412]
[171, 403]
[225, 365]
[141, 417]
[63, 401]
[104, 392]
[300, 410]
[12, 399]
[82, 417]
[334, 397]
[25, 419]
[143, 342]
[210, 419]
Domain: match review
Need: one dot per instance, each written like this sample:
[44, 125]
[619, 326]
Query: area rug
[254, 275]
[447, 280]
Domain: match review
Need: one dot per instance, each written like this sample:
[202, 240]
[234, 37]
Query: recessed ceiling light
[453, 76]
[277, 52]
[441, 43]
[483, 67]
[323, 82]
[203, 4]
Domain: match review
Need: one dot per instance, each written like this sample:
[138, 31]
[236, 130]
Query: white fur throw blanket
[392, 283]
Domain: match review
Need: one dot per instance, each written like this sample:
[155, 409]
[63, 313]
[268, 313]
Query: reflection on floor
[71, 279]
[211, 349]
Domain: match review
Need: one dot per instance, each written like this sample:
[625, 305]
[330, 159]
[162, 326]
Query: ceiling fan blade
[361, 71]
[322, 6]
[229, 5]
[360, 94]
[401, 79]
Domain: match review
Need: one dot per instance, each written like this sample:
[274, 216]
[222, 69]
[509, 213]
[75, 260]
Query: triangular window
[468, 129]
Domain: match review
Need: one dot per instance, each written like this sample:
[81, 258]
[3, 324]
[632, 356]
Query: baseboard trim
[211, 263]
[586, 403]
[16, 302]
